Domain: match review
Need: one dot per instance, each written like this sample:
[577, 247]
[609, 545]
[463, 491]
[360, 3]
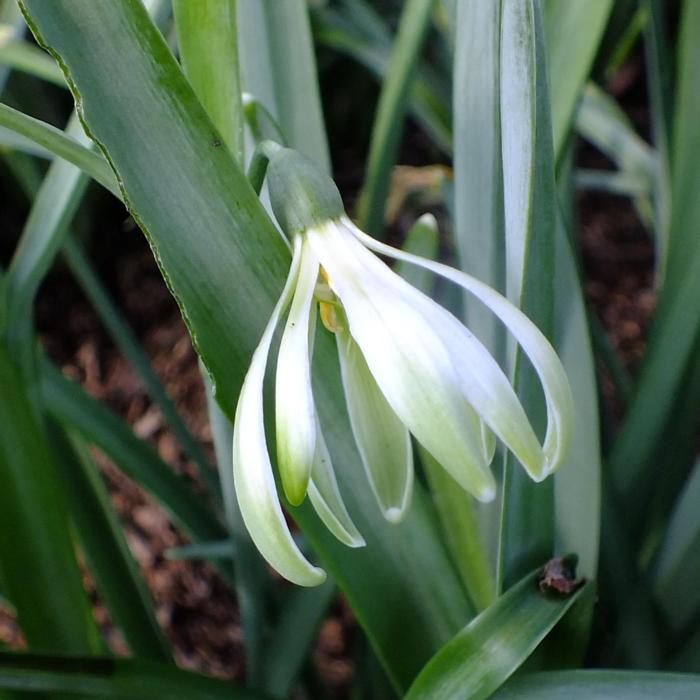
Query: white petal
[252, 471]
[326, 499]
[544, 359]
[383, 441]
[294, 403]
[393, 324]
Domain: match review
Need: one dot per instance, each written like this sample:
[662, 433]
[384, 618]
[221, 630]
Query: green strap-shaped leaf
[226, 264]
[530, 208]
[391, 110]
[112, 678]
[677, 569]
[208, 44]
[601, 685]
[369, 43]
[118, 577]
[574, 31]
[71, 405]
[677, 321]
[478, 193]
[57, 142]
[486, 652]
[23, 56]
[278, 67]
[39, 570]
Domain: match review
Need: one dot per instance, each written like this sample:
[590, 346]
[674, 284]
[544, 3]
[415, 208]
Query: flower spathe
[409, 367]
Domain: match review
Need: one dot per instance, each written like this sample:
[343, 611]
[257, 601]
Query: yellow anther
[330, 317]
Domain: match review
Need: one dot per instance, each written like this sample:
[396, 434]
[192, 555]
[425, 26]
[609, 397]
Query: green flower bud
[301, 194]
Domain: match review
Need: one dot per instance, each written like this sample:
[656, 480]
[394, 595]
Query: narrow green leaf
[577, 482]
[124, 338]
[22, 56]
[302, 612]
[490, 648]
[369, 43]
[388, 121]
[677, 322]
[574, 31]
[658, 70]
[457, 512]
[456, 509]
[182, 187]
[602, 122]
[54, 204]
[108, 677]
[252, 580]
[208, 43]
[63, 146]
[530, 208]
[51, 603]
[478, 170]
[71, 405]
[279, 68]
[117, 574]
[677, 568]
[601, 685]
[220, 549]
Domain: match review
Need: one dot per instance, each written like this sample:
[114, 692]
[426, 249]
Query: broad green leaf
[601, 685]
[530, 209]
[72, 406]
[108, 677]
[391, 110]
[60, 144]
[493, 645]
[279, 68]
[111, 563]
[574, 31]
[184, 189]
[39, 570]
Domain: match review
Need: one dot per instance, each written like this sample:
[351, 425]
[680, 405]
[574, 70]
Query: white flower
[408, 367]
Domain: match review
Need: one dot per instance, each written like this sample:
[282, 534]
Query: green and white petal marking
[295, 418]
[382, 439]
[252, 471]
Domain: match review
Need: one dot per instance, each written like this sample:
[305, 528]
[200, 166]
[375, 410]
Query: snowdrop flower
[408, 366]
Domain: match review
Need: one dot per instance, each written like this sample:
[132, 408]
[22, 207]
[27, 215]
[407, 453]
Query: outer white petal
[383, 441]
[294, 402]
[557, 392]
[396, 329]
[326, 499]
[252, 471]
